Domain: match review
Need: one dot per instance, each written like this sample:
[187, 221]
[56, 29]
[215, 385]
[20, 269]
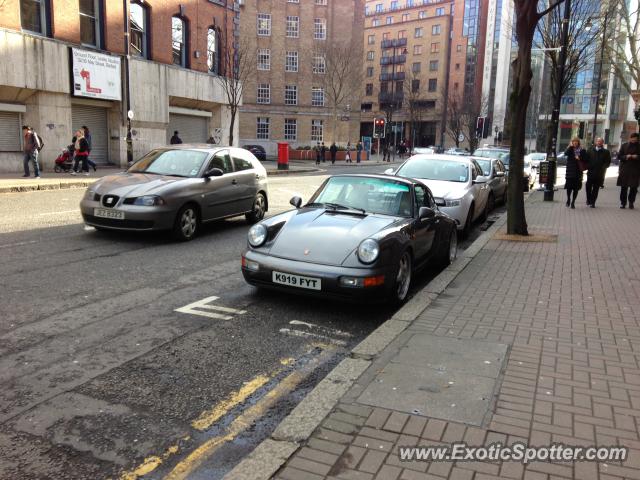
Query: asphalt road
[116, 359]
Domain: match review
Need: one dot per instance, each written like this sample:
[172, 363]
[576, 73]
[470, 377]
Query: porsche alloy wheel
[403, 277]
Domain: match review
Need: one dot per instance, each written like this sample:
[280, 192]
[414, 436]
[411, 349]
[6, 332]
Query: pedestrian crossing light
[378, 127]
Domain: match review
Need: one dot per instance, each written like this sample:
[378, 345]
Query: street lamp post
[495, 139]
[555, 117]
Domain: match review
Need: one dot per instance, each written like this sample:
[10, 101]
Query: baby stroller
[64, 162]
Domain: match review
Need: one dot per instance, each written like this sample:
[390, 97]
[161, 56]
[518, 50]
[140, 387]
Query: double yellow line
[206, 419]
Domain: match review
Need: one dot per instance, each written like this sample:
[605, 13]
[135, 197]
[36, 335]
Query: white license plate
[106, 213]
[296, 280]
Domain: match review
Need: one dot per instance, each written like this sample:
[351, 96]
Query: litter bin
[283, 156]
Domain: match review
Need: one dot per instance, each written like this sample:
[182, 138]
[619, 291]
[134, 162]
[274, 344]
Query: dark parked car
[360, 236]
[258, 151]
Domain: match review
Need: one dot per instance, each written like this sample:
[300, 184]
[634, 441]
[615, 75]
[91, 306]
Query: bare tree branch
[623, 51]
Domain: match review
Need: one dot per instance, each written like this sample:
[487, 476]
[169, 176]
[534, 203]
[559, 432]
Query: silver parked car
[178, 188]
[497, 179]
[457, 183]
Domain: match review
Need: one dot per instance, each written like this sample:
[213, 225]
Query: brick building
[62, 66]
[287, 99]
[418, 53]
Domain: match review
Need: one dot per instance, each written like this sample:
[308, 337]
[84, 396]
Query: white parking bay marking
[201, 306]
[332, 331]
[315, 336]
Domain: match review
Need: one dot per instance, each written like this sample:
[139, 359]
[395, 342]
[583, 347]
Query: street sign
[461, 137]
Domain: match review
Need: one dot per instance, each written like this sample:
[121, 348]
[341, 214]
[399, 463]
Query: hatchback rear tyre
[258, 211]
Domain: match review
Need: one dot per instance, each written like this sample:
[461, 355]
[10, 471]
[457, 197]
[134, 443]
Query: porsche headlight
[257, 235]
[368, 251]
[149, 201]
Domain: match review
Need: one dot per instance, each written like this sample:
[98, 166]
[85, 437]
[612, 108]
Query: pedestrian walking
[333, 150]
[32, 146]
[359, 152]
[629, 173]
[81, 153]
[175, 140]
[87, 136]
[576, 163]
[318, 153]
[599, 161]
[347, 156]
[386, 153]
[323, 153]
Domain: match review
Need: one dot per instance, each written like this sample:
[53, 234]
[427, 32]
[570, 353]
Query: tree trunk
[231, 126]
[518, 102]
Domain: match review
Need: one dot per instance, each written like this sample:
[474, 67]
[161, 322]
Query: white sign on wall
[95, 75]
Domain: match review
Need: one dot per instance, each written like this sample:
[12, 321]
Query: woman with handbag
[577, 162]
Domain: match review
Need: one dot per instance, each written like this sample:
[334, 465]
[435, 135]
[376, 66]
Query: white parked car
[457, 183]
[457, 151]
[535, 158]
[418, 150]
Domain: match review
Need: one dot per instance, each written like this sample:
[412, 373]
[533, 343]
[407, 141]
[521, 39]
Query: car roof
[380, 176]
[196, 146]
[440, 156]
[502, 149]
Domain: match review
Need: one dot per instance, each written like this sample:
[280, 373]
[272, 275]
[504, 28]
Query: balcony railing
[404, 6]
[394, 43]
[388, 77]
[391, 98]
[393, 59]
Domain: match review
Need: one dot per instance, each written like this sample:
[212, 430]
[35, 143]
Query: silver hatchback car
[179, 188]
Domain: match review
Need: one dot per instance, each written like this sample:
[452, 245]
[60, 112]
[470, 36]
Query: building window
[317, 130]
[319, 65]
[264, 24]
[366, 107]
[379, 8]
[415, 68]
[405, 17]
[417, 49]
[139, 30]
[418, 32]
[291, 95]
[264, 59]
[321, 2]
[433, 65]
[262, 128]
[293, 27]
[369, 71]
[375, 22]
[439, 12]
[290, 129]
[436, 29]
[213, 50]
[320, 29]
[394, 5]
[179, 41]
[389, 20]
[264, 93]
[422, 14]
[317, 97]
[402, 34]
[90, 22]
[370, 55]
[369, 89]
[435, 47]
[415, 85]
[458, 48]
[371, 39]
[293, 1]
[33, 16]
[291, 62]
[457, 66]
[433, 84]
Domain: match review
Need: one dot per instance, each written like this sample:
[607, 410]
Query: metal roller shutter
[96, 119]
[193, 129]
[10, 132]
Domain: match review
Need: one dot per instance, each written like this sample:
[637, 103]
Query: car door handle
[234, 182]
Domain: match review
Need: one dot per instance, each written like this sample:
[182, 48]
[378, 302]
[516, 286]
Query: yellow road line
[240, 424]
[149, 464]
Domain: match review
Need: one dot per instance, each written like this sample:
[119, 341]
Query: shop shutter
[10, 132]
[96, 119]
[193, 129]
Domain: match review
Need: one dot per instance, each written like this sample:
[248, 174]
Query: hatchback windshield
[177, 163]
[485, 165]
[435, 169]
[374, 195]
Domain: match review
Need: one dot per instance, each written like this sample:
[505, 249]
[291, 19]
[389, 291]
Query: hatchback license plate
[105, 213]
[296, 281]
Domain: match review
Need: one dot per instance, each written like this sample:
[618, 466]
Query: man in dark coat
[599, 161]
[323, 153]
[629, 173]
[175, 140]
[333, 149]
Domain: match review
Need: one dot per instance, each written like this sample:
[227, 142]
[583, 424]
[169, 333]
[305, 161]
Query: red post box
[283, 156]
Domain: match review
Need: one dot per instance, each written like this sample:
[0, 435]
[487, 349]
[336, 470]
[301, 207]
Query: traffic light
[378, 127]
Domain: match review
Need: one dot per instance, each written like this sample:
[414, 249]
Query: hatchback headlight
[453, 203]
[149, 201]
[89, 194]
[368, 251]
[257, 235]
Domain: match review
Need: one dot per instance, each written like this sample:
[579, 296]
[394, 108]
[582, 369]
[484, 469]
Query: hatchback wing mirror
[499, 174]
[296, 201]
[480, 179]
[388, 171]
[214, 172]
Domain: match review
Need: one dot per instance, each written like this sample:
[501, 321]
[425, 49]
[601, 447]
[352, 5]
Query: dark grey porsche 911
[360, 236]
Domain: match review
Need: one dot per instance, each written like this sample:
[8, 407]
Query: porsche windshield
[177, 163]
[371, 195]
[436, 169]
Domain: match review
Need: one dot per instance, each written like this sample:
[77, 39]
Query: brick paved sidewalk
[567, 313]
